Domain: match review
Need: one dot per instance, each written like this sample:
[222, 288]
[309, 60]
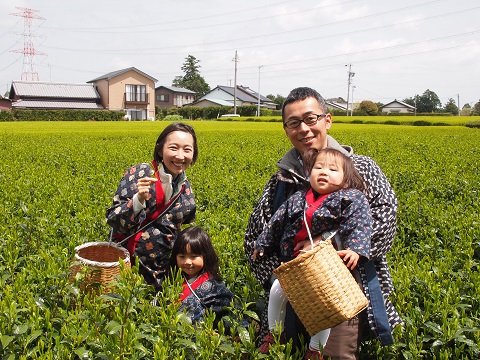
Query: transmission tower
[29, 70]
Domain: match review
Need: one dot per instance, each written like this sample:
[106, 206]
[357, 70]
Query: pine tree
[192, 80]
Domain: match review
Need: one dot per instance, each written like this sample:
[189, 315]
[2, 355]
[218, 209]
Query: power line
[228, 15]
[161, 51]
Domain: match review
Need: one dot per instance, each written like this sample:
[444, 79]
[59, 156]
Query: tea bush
[57, 180]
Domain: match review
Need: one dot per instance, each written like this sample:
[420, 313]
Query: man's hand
[256, 253]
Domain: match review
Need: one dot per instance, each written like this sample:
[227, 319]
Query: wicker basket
[320, 288]
[102, 260]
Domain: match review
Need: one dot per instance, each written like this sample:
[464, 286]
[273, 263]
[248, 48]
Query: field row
[57, 180]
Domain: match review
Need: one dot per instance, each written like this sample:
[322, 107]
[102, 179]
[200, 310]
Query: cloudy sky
[396, 49]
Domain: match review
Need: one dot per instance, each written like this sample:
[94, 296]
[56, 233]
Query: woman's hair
[176, 126]
[301, 93]
[200, 243]
[351, 177]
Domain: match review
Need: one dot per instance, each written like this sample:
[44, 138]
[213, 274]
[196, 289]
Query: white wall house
[397, 107]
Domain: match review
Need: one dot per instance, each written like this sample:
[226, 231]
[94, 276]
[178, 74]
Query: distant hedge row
[213, 112]
[61, 115]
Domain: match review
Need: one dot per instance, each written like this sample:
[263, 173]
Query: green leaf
[111, 296]
[244, 335]
[187, 343]
[82, 353]
[40, 302]
[228, 348]
[33, 336]
[252, 314]
[6, 340]
[19, 330]
[114, 327]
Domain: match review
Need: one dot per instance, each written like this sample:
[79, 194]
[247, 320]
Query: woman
[154, 200]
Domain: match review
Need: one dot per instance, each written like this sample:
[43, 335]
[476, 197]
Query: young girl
[203, 288]
[334, 201]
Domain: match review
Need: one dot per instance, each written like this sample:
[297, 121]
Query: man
[306, 121]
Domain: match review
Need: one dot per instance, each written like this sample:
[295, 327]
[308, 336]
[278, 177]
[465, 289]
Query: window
[133, 114]
[162, 98]
[136, 93]
[178, 101]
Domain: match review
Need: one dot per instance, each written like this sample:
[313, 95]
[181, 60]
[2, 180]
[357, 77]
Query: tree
[451, 107]
[279, 99]
[428, 102]
[192, 80]
[411, 101]
[466, 110]
[369, 107]
[476, 109]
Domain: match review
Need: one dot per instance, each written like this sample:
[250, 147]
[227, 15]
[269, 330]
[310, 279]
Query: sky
[392, 49]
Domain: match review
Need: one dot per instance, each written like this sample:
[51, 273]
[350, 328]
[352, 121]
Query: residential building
[397, 107]
[130, 90]
[227, 94]
[170, 96]
[46, 95]
[331, 105]
[5, 104]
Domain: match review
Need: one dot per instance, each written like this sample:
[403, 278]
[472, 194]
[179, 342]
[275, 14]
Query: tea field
[58, 178]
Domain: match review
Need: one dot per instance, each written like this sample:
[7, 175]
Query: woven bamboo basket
[320, 288]
[102, 262]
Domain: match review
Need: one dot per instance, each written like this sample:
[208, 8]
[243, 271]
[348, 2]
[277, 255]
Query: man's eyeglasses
[309, 120]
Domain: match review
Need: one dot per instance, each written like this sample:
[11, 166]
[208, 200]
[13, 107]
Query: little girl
[203, 288]
[334, 201]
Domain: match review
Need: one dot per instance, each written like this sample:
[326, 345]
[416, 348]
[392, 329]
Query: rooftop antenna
[29, 70]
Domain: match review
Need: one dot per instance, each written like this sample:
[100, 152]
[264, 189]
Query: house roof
[336, 105]
[39, 104]
[53, 90]
[401, 103]
[176, 89]
[215, 101]
[254, 94]
[241, 95]
[113, 74]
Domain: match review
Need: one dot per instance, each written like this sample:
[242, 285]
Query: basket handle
[330, 236]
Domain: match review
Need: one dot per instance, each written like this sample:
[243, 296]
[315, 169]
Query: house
[5, 104]
[331, 105]
[130, 90]
[397, 107]
[45, 95]
[169, 96]
[212, 102]
[226, 94]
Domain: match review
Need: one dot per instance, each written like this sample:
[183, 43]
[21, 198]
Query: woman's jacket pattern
[153, 250]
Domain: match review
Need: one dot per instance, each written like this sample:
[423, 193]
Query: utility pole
[235, 85]
[458, 102]
[351, 110]
[258, 109]
[350, 76]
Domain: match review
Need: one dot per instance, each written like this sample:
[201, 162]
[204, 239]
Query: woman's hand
[144, 185]
[306, 245]
[350, 258]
